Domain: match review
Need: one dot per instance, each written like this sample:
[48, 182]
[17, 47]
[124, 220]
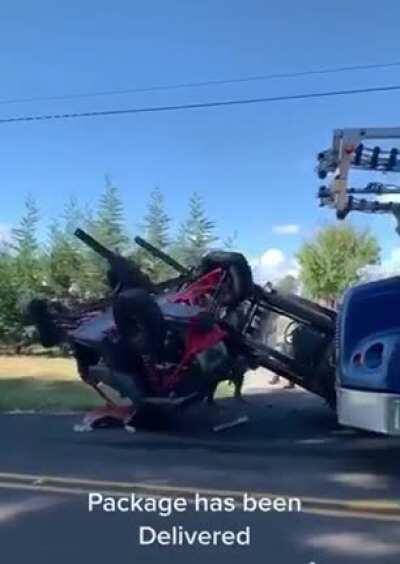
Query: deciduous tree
[330, 262]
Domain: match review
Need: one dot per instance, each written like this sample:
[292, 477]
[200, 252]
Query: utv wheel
[326, 375]
[140, 322]
[49, 334]
[239, 281]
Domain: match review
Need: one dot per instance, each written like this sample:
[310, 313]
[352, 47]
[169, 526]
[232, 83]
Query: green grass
[43, 384]
[51, 384]
[225, 390]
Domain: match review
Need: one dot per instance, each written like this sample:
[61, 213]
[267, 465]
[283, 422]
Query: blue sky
[253, 164]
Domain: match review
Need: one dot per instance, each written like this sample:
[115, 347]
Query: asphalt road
[347, 481]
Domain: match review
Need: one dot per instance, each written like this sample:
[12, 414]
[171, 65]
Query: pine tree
[24, 237]
[27, 255]
[230, 243]
[196, 234]
[156, 227]
[110, 222]
[10, 314]
[107, 225]
[73, 217]
[66, 257]
[63, 260]
[156, 221]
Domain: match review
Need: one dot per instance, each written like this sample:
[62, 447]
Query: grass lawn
[50, 384]
[40, 383]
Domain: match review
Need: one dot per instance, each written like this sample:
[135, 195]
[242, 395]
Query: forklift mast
[349, 152]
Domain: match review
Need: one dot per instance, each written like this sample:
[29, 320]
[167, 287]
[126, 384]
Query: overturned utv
[147, 348]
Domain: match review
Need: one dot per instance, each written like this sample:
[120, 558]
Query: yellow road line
[176, 490]
[367, 509]
[344, 514]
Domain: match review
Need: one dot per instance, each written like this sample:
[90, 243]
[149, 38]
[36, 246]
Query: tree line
[62, 266]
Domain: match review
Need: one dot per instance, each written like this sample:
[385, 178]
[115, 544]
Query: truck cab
[368, 357]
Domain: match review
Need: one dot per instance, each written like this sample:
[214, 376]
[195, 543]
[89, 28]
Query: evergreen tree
[22, 272]
[157, 221]
[108, 226]
[230, 243]
[63, 260]
[27, 255]
[156, 227]
[73, 217]
[110, 222]
[10, 314]
[65, 264]
[24, 237]
[196, 234]
[67, 259]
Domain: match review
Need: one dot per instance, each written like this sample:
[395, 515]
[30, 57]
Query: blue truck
[368, 323]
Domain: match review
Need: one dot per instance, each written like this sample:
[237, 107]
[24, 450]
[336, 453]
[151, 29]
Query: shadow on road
[292, 443]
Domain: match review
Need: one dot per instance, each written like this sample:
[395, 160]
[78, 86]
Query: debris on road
[79, 428]
[223, 426]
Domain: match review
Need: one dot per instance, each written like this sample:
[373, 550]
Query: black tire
[140, 322]
[239, 284]
[151, 418]
[49, 334]
[326, 374]
[126, 272]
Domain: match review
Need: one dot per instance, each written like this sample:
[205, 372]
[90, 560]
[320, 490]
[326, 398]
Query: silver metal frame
[338, 161]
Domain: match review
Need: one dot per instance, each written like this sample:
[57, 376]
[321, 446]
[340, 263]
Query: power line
[198, 105]
[183, 85]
